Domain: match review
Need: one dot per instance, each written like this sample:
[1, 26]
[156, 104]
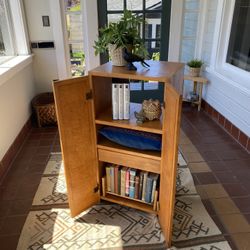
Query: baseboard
[10, 155]
[230, 128]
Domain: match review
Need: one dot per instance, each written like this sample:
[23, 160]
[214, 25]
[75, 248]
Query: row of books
[120, 101]
[131, 182]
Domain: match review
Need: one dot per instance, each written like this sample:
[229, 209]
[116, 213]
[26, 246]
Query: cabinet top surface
[158, 70]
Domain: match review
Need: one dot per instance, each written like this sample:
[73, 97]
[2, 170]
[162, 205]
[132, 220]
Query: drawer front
[128, 160]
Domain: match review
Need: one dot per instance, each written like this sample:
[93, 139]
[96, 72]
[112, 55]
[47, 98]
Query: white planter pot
[116, 55]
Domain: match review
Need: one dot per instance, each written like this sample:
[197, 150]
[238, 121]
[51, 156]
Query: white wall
[44, 61]
[15, 97]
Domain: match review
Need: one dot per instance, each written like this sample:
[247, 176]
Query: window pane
[115, 5]
[77, 59]
[74, 26]
[151, 85]
[153, 47]
[239, 44]
[114, 18]
[6, 46]
[153, 4]
[153, 25]
[134, 5]
[73, 5]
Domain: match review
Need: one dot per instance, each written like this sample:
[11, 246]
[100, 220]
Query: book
[155, 179]
[119, 180]
[145, 175]
[123, 180]
[127, 183]
[112, 175]
[115, 101]
[108, 178]
[126, 100]
[148, 190]
[116, 179]
[132, 174]
[140, 185]
[137, 180]
[121, 101]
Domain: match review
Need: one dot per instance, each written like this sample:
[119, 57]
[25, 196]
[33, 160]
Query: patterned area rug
[49, 225]
[101, 227]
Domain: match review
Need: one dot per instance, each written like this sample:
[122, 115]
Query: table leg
[195, 87]
[200, 95]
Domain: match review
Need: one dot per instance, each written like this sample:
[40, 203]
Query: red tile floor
[219, 165]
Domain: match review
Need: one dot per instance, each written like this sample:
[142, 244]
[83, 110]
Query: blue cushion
[132, 138]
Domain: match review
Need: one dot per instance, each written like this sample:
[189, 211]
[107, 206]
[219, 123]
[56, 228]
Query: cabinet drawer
[128, 160]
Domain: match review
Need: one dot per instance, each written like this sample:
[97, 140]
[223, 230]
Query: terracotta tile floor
[220, 168]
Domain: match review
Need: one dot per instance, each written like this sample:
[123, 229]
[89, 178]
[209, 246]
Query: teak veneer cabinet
[84, 105]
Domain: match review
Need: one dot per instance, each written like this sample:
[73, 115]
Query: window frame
[219, 65]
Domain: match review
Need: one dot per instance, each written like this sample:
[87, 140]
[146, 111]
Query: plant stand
[196, 81]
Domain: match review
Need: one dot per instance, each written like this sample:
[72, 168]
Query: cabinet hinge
[89, 95]
[96, 188]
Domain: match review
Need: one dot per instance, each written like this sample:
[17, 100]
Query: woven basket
[152, 109]
[194, 71]
[44, 107]
[116, 55]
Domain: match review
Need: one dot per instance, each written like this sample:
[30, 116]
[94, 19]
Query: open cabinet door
[170, 140]
[76, 126]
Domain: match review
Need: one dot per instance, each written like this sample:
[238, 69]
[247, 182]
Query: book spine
[119, 180]
[121, 101]
[153, 190]
[127, 183]
[116, 179]
[108, 178]
[145, 175]
[112, 187]
[140, 186]
[123, 181]
[132, 183]
[137, 180]
[148, 192]
[126, 101]
[115, 101]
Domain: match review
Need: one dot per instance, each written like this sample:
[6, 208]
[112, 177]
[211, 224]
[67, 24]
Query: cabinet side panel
[170, 138]
[102, 93]
[75, 121]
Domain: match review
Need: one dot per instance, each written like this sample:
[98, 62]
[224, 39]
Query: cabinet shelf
[106, 144]
[105, 118]
[126, 201]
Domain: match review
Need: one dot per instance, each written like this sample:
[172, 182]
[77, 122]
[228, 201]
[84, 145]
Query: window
[74, 26]
[6, 37]
[238, 53]
[151, 12]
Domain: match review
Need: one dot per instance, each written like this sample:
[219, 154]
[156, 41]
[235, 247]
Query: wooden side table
[197, 80]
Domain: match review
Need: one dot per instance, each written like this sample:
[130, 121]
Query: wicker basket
[44, 107]
[194, 71]
[152, 109]
[116, 55]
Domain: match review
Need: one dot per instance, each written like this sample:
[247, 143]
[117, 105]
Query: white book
[115, 101]
[126, 101]
[155, 178]
[121, 101]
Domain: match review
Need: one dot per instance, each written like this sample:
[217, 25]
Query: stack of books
[120, 101]
[132, 183]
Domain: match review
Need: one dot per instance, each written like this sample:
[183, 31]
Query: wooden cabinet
[84, 105]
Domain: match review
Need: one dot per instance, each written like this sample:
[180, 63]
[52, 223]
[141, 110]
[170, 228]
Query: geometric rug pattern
[113, 226]
[101, 227]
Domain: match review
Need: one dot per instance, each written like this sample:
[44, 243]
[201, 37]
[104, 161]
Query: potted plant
[120, 35]
[194, 67]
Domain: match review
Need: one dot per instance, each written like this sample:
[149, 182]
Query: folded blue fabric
[132, 138]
